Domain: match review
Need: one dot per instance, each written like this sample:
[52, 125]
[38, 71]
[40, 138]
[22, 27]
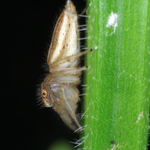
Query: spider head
[47, 94]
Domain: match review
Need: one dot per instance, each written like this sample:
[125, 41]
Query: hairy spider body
[59, 88]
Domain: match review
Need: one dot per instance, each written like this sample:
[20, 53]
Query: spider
[59, 88]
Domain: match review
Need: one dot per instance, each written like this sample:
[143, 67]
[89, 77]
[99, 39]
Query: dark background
[26, 30]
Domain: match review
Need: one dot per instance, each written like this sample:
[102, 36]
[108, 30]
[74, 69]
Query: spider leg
[70, 79]
[70, 108]
[83, 12]
[55, 64]
[54, 80]
[68, 70]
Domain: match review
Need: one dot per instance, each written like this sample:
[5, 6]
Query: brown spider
[59, 88]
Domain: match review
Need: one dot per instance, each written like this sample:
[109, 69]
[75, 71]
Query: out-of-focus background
[26, 30]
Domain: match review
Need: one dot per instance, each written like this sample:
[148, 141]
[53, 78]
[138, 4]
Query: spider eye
[44, 93]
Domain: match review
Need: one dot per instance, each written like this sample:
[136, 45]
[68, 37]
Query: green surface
[117, 101]
[61, 145]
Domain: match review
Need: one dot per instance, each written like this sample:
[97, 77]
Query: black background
[26, 30]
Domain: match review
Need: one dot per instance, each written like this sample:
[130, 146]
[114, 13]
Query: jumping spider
[59, 88]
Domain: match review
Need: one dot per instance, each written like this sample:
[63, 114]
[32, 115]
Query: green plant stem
[117, 101]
